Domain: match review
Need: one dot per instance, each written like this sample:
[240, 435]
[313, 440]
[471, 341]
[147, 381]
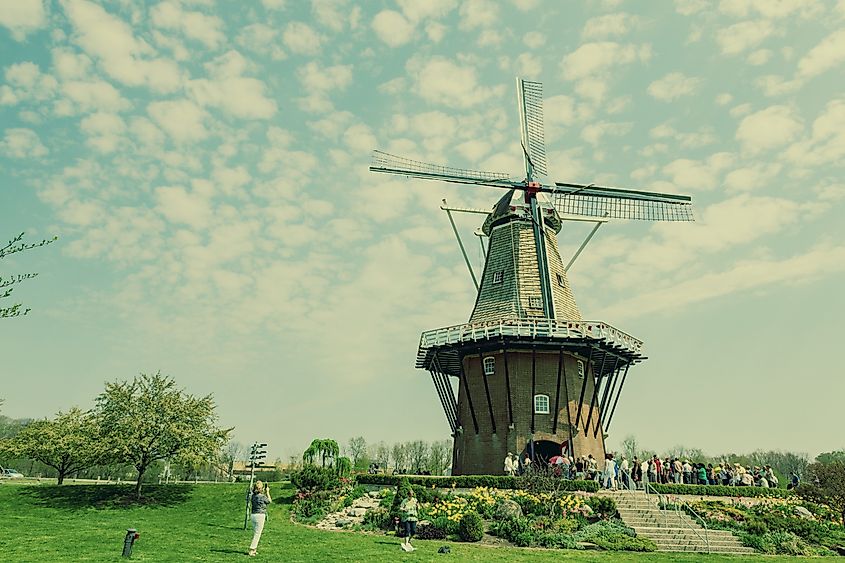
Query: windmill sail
[392, 164]
[530, 98]
[615, 203]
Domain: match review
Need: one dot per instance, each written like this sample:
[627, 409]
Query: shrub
[560, 540]
[603, 529]
[604, 507]
[473, 481]
[510, 528]
[377, 519]
[426, 494]
[311, 509]
[623, 542]
[720, 491]
[402, 489]
[448, 525]
[312, 478]
[756, 527]
[471, 527]
[431, 531]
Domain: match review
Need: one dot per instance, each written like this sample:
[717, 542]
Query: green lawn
[205, 523]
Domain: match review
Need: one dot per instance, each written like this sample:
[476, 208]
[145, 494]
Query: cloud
[179, 206]
[263, 39]
[476, 14]
[608, 25]
[104, 131]
[673, 86]
[237, 95]
[87, 96]
[300, 38]
[392, 28]
[741, 36]
[26, 83]
[206, 29]
[826, 142]
[752, 177]
[127, 59]
[183, 120]
[697, 175]
[830, 52]
[416, 11]
[595, 58]
[595, 132]
[745, 275]
[768, 128]
[22, 17]
[442, 81]
[771, 9]
[22, 143]
[534, 39]
[319, 82]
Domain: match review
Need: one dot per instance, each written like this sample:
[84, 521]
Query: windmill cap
[508, 208]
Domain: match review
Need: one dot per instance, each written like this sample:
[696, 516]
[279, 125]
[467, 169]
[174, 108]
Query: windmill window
[580, 369]
[560, 281]
[498, 277]
[489, 365]
[535, 303]
[541, 404]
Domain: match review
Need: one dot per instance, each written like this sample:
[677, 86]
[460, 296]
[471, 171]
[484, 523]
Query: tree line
[137, 424]
[415, 456]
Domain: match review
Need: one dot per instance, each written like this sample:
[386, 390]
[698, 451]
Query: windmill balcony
[444, 342]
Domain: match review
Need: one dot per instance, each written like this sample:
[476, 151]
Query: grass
[205, 523]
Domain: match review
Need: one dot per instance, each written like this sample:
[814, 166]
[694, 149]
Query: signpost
[256, 453]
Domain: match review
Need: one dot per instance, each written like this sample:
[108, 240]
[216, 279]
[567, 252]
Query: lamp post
[256, 453]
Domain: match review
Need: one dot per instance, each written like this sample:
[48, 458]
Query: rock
[803, 512]
[508, 508]
[373, 494]
[341, 522]
[356, 512]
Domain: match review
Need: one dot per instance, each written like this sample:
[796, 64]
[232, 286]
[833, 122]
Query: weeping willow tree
[325, 449]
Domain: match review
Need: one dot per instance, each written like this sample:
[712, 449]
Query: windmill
[533, 377]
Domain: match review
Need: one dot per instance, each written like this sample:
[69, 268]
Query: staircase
[671, 530]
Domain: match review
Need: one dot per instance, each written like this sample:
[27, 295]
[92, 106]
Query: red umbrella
[555, 459]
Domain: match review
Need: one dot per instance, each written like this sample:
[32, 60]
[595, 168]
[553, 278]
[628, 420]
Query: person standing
[408, 516]
[509, 464]
[258, 507]
[609, 476]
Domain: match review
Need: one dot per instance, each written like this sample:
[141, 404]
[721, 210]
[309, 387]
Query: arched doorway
[544, 450]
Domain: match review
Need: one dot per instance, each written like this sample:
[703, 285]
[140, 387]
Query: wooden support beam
[619, 392]
[508, 387]
[533, 386]
[611, 381]
[587, 367]
[486, 390]
[465, 382]
[557, 390]
[596, 384]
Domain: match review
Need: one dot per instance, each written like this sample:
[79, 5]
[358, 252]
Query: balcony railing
[530, 328]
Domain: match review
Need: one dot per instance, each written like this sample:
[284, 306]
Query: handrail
[662, 500]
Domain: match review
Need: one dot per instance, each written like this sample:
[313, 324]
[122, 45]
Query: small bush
[559, 540]
[471, 527]
[312, 478]
[431, 531]
[624, 542]
[756, 527]
[603, 507]
[377, 519]
[603, 529]
[510, 528]
[444, 523]
[311, 509]
[402, 488]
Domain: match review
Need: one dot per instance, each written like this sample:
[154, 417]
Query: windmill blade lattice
[392, 164]
[531, 115]
[622, 208]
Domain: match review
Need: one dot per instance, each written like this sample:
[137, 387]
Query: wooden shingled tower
[532, 376]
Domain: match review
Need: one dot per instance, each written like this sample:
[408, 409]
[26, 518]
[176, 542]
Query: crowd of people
[634, 474]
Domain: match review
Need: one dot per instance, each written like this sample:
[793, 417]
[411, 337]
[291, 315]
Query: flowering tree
[7, 283]
[149, 419]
